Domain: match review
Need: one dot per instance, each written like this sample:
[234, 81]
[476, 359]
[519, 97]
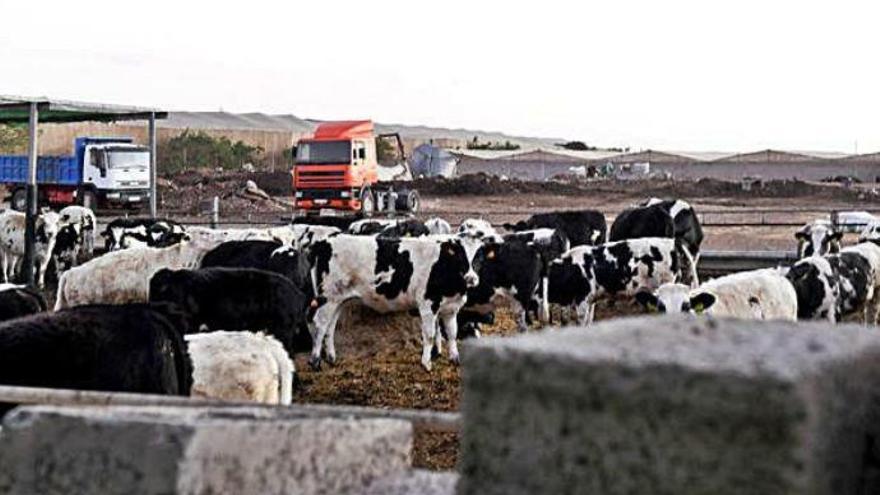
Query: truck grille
[328, 178]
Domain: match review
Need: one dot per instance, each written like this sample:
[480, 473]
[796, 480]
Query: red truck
[338, 170]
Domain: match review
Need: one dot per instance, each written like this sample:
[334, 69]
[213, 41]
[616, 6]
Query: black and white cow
[19, 300]
[581, 228]
[664, 218]
[476, 228]
[124, 233]
[615, 269]
[818, 288]
[818, 238]
[428, 274]
[752, 295]
[75, 241]
[129, 348]
[235, 299]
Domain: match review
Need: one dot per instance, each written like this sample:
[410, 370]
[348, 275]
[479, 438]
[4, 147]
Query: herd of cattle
[219, 313]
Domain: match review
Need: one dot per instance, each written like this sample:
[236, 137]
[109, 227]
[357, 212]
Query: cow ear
[648, 300]
[702, 301]
[490, 254]
[801, 235]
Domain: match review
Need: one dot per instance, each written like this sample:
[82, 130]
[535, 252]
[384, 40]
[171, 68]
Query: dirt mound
[489, 185]
[185, 191]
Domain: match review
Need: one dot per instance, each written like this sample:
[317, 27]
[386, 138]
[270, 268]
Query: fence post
[215, 212]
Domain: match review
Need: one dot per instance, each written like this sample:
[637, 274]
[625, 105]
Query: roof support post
[153, 166]
[31, 211]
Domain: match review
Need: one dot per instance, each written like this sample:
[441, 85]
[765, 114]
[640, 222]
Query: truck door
[95, 167]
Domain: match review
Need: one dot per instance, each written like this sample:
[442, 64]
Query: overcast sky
[680, 75]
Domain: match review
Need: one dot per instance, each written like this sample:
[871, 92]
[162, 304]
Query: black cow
[405, 228]
[154, 232]
[270, 256]
[236, 299]
[17, 301]
[583, 227]
[129, 348]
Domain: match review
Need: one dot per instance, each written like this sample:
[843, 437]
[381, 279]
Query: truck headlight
[299, 194]
[345, 194]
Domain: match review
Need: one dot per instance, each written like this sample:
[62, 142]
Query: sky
[677, 75]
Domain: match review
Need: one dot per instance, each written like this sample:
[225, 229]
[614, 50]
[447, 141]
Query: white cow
[438, 226]
[241, 367]
[753, 295]
[121, 277]
[477, 228]
[818, 238]
[12, 228]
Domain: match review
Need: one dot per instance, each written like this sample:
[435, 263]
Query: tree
[385, 151]
[198, 149]
[13, 138]
[577, 146]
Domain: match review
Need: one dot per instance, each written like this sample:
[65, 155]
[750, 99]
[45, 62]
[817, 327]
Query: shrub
[197, 149]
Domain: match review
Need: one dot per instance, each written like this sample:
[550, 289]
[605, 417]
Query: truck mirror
[293, 152]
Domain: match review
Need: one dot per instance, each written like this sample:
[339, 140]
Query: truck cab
[338, 169]
[114, 170]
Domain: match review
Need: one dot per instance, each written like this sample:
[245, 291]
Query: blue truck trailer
[103, 172]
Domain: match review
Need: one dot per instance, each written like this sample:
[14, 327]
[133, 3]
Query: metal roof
[237, 121]
[502, 154]
[16, 109]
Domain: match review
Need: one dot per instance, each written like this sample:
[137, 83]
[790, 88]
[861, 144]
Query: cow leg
[324, 316]
[429, 329]
[330, 342]
[4, 261]
[437, 350]
[522, 325]
[585, 312]
[450, 321]
[543, 304]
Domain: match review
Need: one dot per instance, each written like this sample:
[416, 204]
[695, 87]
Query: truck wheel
[19, 200]
[408, 201]
[88, 200]
[368, 203]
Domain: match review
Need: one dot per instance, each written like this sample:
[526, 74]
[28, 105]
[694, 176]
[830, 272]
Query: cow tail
[286, 372]
[176, 326]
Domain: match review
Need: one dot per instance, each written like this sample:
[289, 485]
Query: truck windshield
[317, 152]
[126, 158]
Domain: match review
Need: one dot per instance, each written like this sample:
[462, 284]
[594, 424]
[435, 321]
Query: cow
[428, 274]
[235, 299]
[438, 226]
[370, 226]
[476, 228]
[664, 218]
[817, 286]
[341, 223]
[581, 227]
[871, 233]
[550, 244]
[306, 235]
[19, 300]
[511, 270]
[818, 238]
[83, 217]
[121, 277]
[124, 233]
[240, 367]
[12, 242]
[130, 348]
[615, 269]
[752, 295]
[405, 228]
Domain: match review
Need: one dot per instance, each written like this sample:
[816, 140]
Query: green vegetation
[197, 149]
[13, 138]
[475, 144]
[385, 151]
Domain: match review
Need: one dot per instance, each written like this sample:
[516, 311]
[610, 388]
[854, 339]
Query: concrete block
[673, 405]
[161, 450]
[415, 482]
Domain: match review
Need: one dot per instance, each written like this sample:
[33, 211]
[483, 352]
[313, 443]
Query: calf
[132, 348]
[586, 273]
[240, 367]
[581, 228]
[124, 276]
[12, 230]
[818, 238]
[234, 299]
[19, 300]
[124, 233]
[818, 288]
[858, 269]
[431, 275]
[753, 295]
[82, 222]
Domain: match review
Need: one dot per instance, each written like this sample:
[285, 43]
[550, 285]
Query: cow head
[476, 228]
[48, 224]
[438, 226]
[675, 298]
[817, 239]
[170, 286]
[458, 256]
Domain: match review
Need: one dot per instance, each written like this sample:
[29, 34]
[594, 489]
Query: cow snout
[471, 279]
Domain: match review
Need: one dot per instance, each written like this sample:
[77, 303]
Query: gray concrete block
[415, 482]
[673, 405]
[153, 450]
